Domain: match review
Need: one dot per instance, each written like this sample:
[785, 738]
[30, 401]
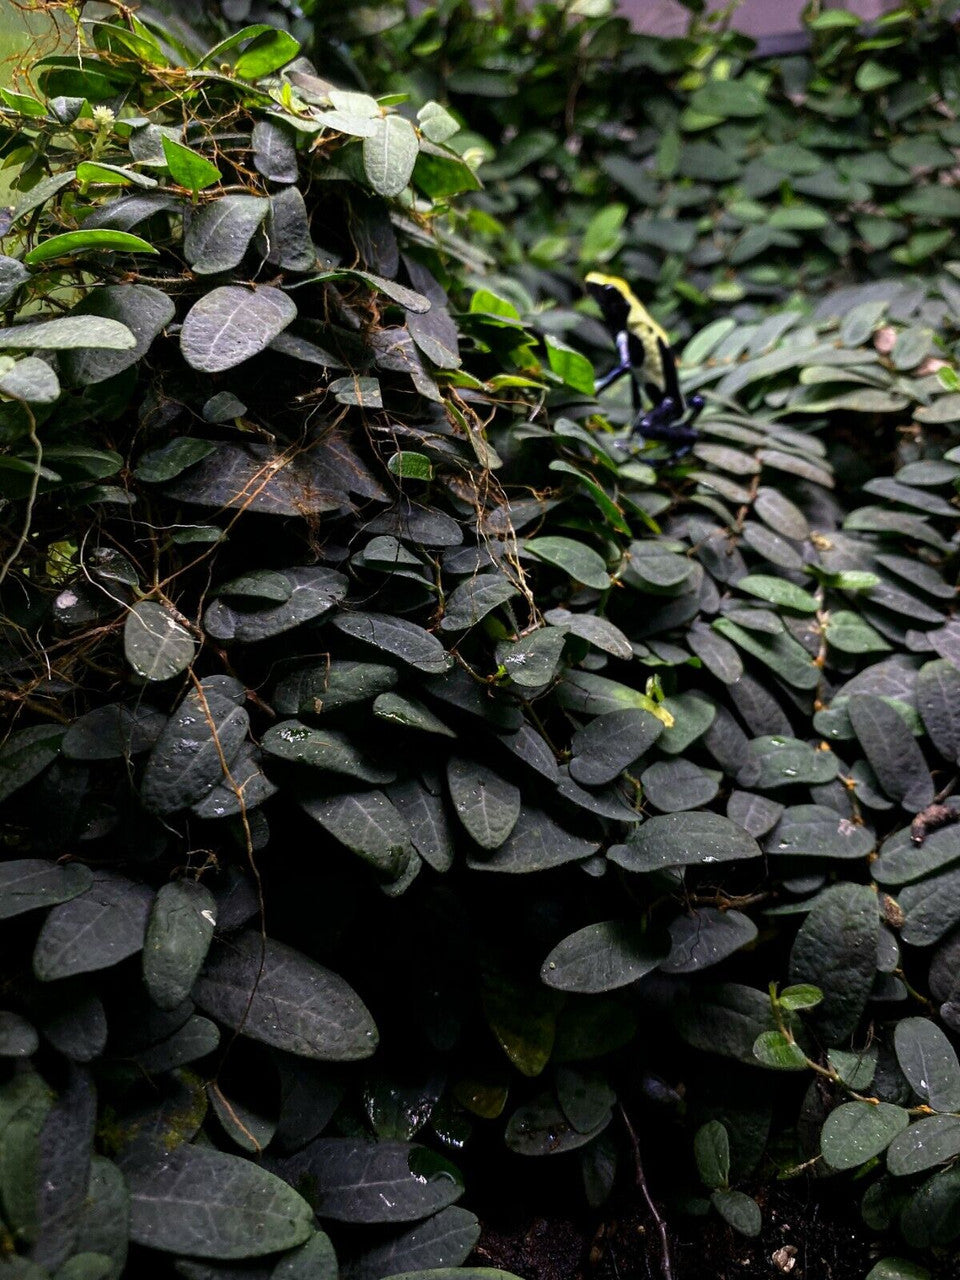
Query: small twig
[666, 1265]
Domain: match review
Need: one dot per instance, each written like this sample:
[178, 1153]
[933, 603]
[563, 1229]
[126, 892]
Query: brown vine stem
[666, 1265]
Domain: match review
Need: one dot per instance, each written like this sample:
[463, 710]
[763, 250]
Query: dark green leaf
[178, 937]
[29, 883]
[684, 839]
[711, 1149]
[706, 936]
[443, 1241]
[404, 640]
[204, 734]
[324, 749]
[739, 1210]
[155, 644]
[368, 1182]
[230, 324]
[212, 1205]
[539, 1128]
[836, 950]
[100, 927]
[892, 754]
[932, 1140]
[485, 803]
[536, 844]
[601, 957]
[928, 1061]
[218, 236]
[142, 309]
[857, 1131]
[369, 825]
[611, 743]
[280, 997]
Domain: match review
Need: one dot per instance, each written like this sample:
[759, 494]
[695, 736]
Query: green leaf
[410, 465]
[780, 652]
[897, 1269]
[872, 76]
[847, 632]
[728, 99]
[436, 122]
[313, 593]
[603, 235]
[773, 1049]
[684, 839]
[68, 333]
[359, 391]
[155, 644]
[280, 997]
[142, 309]
[212, 1205]
[179, 932]
[18, 1039]
[711, 1150]
[785, 762]
[389, 154]
[113, 732]
[24, 754]
[856, 1069]
[31, 380]
[568, 364]
[581, 562]
[266, 53]
[802, 996]
[930, 1216]
[93, 241]
[928, 1060]
[601, 957]
[938, 701]
[532, 661]
[314, 1260]
[157, 466]
[779, 592]
[855, 1132]
[187, 168]
[472, 600]
[230, 324]
[536, 843]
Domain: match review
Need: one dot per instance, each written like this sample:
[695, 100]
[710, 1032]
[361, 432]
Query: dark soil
[806, 1235]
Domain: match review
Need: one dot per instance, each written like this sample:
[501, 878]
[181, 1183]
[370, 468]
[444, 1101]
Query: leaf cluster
[399, 754]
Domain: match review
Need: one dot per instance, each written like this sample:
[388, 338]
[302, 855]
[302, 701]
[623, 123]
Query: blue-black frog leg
[626, 365]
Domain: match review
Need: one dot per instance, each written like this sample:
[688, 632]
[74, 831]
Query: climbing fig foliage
[398, 758]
